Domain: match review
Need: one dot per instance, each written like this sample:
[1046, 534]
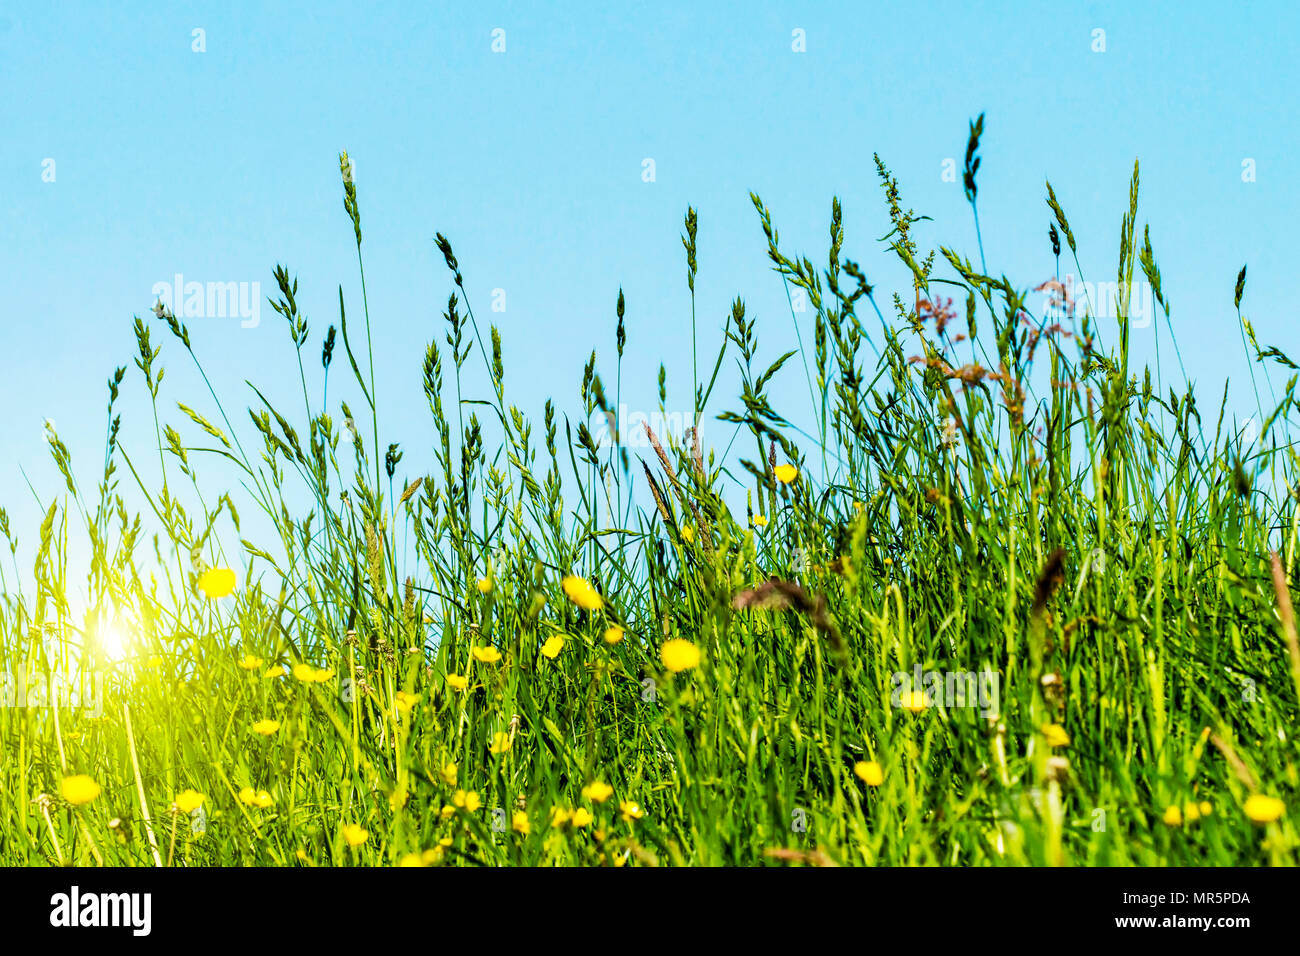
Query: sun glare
[113, 641]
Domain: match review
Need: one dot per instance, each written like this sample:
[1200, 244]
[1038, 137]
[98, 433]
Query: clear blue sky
[220, 164]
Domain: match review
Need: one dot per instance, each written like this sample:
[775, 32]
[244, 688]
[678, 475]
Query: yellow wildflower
[187, 801]
[915, 701]
[311, 675]
[679, 655]
[255, 798]
[869, 772]
[1056, 735]
[1263, 809]
[217, 582]
[597, 791]
[581, 593]
[487, 655]
[79, 789]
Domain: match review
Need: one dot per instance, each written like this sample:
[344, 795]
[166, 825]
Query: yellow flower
[519, 823]
[469, 802]
[187, 801]
[1206, 808]
[1191, 812]
[631, 811]
[559, 816]
[448, 774]
[760, 521]
[485, 585]
[554, 644]
[1056, 735]
[786, 473]
[251, 663]
[488, 655]
[456, 682]
[1173, 816]
[597, 791]
[688, 533]
[255, 798]
[266, 727]
[427, 858]
[500, 743]
[79, 789]
[405, 701]
[355, 835]
[679, 655]
[311, 675]
[869, 772]
[915, 701]
[581, 593]
[582, 817]
[275, 670]
[613, 634]
[1263, 809]
[217, 582]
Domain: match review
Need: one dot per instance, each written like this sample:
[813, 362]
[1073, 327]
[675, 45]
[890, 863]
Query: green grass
[989, 490]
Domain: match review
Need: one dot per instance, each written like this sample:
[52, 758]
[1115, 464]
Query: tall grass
[546, 651]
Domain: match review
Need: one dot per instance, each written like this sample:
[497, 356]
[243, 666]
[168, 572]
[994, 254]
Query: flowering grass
[542, 652]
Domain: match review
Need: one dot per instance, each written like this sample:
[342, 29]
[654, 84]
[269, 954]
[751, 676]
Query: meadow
[1012, 603]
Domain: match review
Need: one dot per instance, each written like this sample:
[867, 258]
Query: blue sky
[220, 164]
